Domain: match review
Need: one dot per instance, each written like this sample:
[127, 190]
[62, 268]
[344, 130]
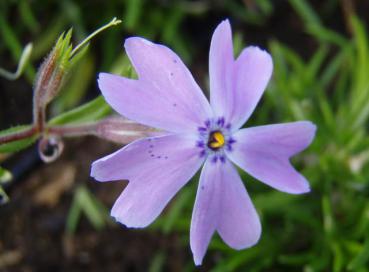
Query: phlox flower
[198, 133]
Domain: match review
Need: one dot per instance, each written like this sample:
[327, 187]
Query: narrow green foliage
[306, 12]
[74, 90]
[176, 211]
[133, 13]
[326, 35]
[84, 203]
[255, 12]
[14, 45]
[27, 16]
[158, 262]
[360, 86]
[49, 35]
[81, 54]
[21, 64]
[63, 49]
[238, 43]
[89, 112]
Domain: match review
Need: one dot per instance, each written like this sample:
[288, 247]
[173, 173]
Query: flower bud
[121, 130]
[52, 71]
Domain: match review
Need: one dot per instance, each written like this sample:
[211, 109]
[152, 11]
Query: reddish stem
[27, 133]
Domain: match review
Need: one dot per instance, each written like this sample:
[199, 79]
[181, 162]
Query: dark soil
[32, 230]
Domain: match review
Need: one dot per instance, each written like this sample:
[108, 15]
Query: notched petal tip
[94, 173]
[308, 131]
[117, 212]
[93, 170]
[198, 260]
[311, 130]
[224, 24]
[136, 41]
[103, 80]
[258, 54]
[103, 76]
[100, 170]
[122, 222]
[250, 240]
[198, 255]
[306, 190]
[223, 32]
[302, 187]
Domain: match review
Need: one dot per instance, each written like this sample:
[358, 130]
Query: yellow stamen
[216, 140]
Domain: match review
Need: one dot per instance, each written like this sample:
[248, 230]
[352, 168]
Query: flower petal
[222, 204]
[236, 85]
[264, 153]
[156, 169]
[238, 222]
[221, 64]
[165, 96]
[253, 69]
[205, 211]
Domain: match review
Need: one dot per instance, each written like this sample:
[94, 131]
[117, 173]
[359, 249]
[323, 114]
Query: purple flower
[165, 96]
